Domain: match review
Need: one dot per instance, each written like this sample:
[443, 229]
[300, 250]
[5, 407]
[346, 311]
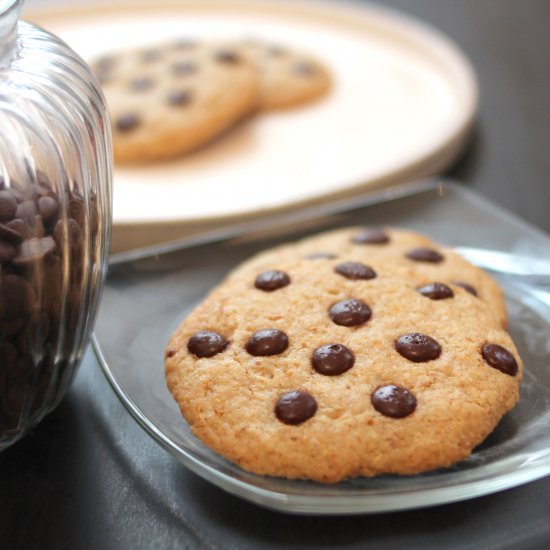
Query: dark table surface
[89, 477]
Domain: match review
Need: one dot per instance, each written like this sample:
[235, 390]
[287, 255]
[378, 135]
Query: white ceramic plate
[402, 103]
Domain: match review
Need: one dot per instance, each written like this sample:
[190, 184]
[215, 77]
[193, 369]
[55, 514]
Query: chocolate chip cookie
[331, 367]
[172, 98]
[288, 77]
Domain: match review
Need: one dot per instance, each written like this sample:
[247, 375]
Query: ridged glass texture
[55, 219]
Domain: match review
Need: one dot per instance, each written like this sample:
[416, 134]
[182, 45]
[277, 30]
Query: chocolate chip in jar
[55, 148]
[338, 370]
[42, 263]
[8, 205]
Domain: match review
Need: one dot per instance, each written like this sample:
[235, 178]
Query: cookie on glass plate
[324, 371]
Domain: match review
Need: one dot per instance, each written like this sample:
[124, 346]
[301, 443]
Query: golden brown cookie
[288, 77]
[172, 98]
[324, 371]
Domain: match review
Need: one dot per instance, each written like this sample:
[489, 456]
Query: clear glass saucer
[146, 297]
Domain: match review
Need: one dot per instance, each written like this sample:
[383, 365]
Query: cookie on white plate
[288, 77]
[171, 98]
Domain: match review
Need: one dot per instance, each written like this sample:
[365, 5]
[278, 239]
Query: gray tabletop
[89, 477]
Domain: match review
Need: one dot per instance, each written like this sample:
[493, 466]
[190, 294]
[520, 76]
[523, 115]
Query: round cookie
[172, 98]
[288, 78]
[311, 373]
[405, 253]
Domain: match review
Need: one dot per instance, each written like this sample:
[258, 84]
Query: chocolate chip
[104, 77]
[48, 208]
[276, 51]
[227, 56]
[350, 313]
[105, 63]
[393, 401]
[34, 192]
[7, 251]
[295, 407]
[206, 343]
[77, 209]
[184, 67]
[68, 231]
[371, 235]
[16, 295]
[20, 227]
[271, 280]
[179, 97]
[34, 250]
[436, 291]
[103, 69]
[170, 353]
[8, 205]
[304, 68]
[355, 270]
[466, 286]
[43, 180]
[418, 347]
[9, 234]
[185, 44]
[332, 359]
[425, 255]
[148, 56]
[500, 358]
[321, 256]
[127, 122]
[141, 84]
[268, 341]
[26, 211]
[18, 192]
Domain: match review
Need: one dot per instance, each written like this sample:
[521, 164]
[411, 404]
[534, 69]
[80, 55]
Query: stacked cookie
[172, 98]
[356, 352]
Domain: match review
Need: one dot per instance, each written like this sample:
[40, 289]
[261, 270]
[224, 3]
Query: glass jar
[55, 217]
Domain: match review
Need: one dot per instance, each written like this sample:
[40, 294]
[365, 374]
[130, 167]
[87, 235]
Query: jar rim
[9, 16]
[7, 6]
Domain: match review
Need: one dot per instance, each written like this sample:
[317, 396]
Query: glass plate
[145, 298]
